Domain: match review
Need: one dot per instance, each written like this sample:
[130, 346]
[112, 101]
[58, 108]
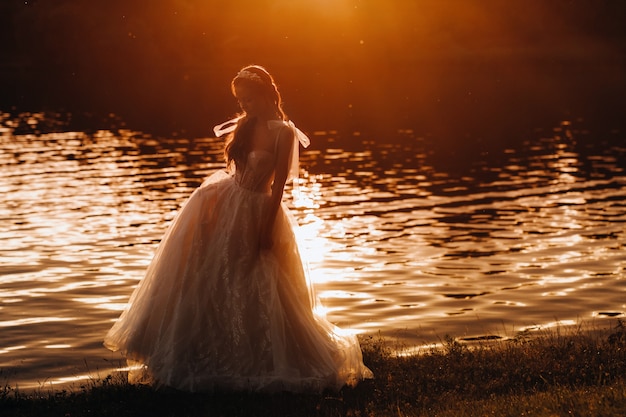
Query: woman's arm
[281, 171]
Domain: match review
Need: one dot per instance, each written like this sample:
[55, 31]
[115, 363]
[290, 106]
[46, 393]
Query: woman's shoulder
[279, 124]
[285, 131]
[285, 136]
[288, 131]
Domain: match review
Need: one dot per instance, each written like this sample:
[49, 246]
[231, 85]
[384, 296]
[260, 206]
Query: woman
[225, 302]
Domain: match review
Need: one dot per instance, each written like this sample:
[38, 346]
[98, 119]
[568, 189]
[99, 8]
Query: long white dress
[215, 312]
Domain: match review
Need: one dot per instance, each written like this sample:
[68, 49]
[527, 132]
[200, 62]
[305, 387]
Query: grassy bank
[580, 373]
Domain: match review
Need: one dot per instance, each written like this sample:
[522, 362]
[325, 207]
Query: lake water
[403, 238]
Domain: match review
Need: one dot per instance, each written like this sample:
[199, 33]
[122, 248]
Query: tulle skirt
[215, 312]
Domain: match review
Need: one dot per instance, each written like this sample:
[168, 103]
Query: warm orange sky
[338, 61]
[200, 31]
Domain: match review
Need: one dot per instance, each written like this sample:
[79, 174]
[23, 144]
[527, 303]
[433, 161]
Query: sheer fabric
[299, 138]
[215, 311]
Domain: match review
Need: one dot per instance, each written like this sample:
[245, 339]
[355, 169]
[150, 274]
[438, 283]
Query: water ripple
[395, 243]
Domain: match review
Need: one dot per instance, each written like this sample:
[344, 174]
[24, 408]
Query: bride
[225, 302]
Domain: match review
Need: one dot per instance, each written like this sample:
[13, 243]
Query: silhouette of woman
[225, 302]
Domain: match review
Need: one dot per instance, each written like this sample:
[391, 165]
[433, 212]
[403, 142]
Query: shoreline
[392, 347]
[576, 373]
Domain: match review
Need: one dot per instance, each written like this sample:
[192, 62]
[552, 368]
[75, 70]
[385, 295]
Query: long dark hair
[259, 80]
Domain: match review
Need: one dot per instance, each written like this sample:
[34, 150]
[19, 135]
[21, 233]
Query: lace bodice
[258, 173]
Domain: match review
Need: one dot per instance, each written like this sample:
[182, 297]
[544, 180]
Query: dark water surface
[402, 237]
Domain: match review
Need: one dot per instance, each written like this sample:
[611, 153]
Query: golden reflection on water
[393, 244]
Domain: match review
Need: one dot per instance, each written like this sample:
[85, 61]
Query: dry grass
[580, 373]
